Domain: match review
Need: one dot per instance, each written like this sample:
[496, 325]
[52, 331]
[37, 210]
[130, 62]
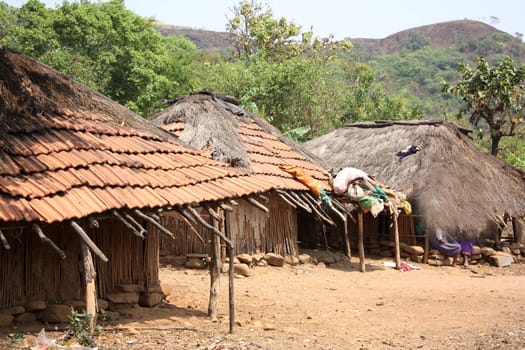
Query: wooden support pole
[154, 222]
[46, 240]
[427, 248]
[213, 213]
[85, 238]
[231, 298]
[347, 238]
[208, 226]
[215, 271]
[361, 246]
[264, 198]
[395, 217]
[5, 243]
[89, 280]
[127, 224]
[299, 201]
[257, 204]
[93, 223]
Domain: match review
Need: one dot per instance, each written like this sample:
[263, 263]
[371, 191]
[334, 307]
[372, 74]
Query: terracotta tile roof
[264, 146]
[63, 163]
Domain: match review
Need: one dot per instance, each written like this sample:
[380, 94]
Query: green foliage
[492, 94]
[80, 328]
[258, 34]
[107, 47]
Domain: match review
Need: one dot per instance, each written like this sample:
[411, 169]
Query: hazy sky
[342, 18]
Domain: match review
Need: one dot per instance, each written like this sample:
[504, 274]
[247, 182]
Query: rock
[194, 264]
[487, 251]
[274, 259]
[257, 257]
[416, 258]
[242, 269]
[131, 288]
[165, 289]
[111, 315]
[501, 259]
[15, 310]
[36, 305]
[5, 319]
[56, 314]
[305, 258]
[291, 260]
[245, 258]
[124, 298]
[78, 305]
[150, 299]
[476, 250]
[262, 263]
[26, 317]
[414, 250]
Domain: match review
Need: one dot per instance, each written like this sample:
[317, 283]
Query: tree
[256, 31]
[492, 94]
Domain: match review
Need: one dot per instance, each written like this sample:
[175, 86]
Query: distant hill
[412, 63]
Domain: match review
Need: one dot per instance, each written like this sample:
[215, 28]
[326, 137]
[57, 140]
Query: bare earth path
[335, 307]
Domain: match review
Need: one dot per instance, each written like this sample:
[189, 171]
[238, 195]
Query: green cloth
[379, 193]
[366, 201]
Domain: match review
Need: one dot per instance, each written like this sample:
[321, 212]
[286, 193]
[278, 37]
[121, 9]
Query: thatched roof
[450, 182]
[67, 152]
[217, 125]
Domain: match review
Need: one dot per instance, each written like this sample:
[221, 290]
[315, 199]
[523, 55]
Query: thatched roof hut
[80, 174]
[450, 182]
[217, 126]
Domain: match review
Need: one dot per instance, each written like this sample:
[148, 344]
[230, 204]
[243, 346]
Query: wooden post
[347, 239]
[231, 256]
[427, 248]
[361, 246]
[396, 239]
[215, 271]
[90, 286]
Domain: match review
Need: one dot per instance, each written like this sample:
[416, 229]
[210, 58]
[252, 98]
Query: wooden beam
[294, 200]
[299, 201]
[5, 243]
[208, 226]
[213, 213]
[226, 207]
[215, 271]
[154, 223]
[192, 229]
[45, 239]
[93, 223]
[231, 296]
[264, 198]
[395, 217]
[141, 229]
[361, 246]
[314, 206]
[127, 224]
[257, 204]
[85, 238]
[287, 201]
[234, 203]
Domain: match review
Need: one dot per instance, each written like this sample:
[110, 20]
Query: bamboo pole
[395, 216]
[90, 287]
[360, 240]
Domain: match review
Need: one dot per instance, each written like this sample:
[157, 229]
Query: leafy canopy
[493, 94]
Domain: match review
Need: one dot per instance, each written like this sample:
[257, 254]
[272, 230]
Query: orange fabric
[303, 177]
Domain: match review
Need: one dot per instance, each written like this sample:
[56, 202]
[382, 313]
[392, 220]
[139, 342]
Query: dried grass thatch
[28, 87]
[211, 121]
[451, 183]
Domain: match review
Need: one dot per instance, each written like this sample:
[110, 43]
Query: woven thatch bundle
[450, 182]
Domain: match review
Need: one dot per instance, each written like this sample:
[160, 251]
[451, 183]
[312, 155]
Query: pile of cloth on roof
[363, 190]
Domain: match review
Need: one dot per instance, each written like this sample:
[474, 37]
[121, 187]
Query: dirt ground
[328, 307]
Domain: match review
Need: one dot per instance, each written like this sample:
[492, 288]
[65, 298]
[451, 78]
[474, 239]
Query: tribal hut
[217, 126]
[82, 182]
[451, 184]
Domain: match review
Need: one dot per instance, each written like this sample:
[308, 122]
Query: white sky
[342, 18]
